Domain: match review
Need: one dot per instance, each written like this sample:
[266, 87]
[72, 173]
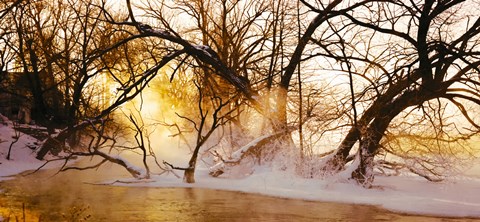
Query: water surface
[70, 196]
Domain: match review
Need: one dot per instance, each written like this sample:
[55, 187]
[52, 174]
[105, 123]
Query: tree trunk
[338, 161]
[370, 140]
[189, 174]
[278, 119]
[369, 146]
[280, 115]
[36, 85]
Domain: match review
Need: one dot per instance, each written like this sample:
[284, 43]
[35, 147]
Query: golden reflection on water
[66, 197]
[17, 213]
[27, 213]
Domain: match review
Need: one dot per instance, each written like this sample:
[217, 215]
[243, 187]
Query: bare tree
[15, 138]
[421, 64]
[205, 126]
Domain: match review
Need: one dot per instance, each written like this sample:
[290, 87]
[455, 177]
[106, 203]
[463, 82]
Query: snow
[131, 166]
[205, 49]
[403, 194]
[237, 155]
[455, 197]
[22, 158]
[148, 28]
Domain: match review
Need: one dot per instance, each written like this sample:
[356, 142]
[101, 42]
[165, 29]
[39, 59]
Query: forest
[315, 87]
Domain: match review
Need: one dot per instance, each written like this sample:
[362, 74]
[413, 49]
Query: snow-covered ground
[457, 197]
[22, 158]
[404, 194]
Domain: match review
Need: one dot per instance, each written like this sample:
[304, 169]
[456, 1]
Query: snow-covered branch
[235, 158]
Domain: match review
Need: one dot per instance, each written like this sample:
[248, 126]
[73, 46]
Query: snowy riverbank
[22, 157]
[456, 197]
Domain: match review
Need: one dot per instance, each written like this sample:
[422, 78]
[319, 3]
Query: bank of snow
[459, 197]
[22, 157]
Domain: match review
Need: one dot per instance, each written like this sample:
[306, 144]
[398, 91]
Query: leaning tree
[408, 58]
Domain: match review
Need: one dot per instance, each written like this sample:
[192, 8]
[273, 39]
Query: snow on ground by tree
[457, 197]
[22, 157]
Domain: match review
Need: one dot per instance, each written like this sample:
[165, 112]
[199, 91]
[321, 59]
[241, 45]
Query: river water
[71, 196]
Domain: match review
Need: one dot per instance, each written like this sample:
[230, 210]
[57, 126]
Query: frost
[160, 32]
[131, 166]
[147, 28]
[203, 47]
[206, 50]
